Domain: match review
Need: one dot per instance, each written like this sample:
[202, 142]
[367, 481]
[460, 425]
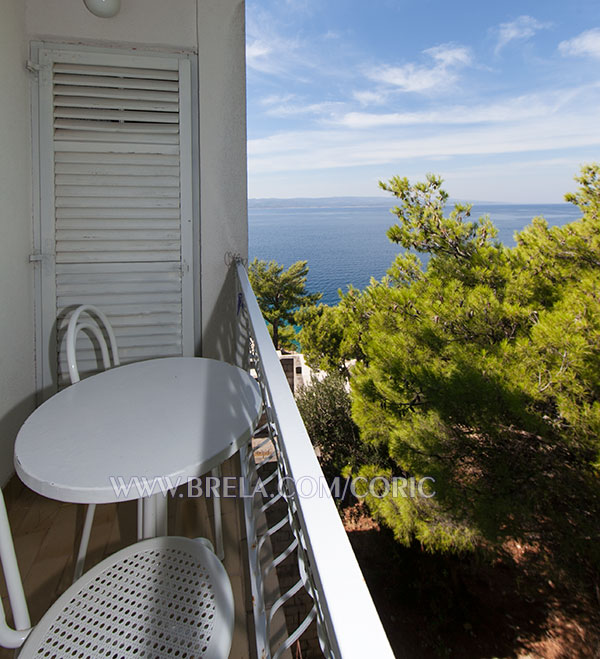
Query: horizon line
[373, 198]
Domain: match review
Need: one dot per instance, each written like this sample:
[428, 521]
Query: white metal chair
[90, 322]
[89, 318]
[163, 597]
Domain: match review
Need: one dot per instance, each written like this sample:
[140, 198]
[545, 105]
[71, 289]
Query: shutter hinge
[35, 257]
[32, 67]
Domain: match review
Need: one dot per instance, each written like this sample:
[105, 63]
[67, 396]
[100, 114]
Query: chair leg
[85, 540]
[220, 550]
[140, 519]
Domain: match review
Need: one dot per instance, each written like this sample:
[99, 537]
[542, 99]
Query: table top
[176, 417]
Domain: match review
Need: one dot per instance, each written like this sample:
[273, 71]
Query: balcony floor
[46, 535]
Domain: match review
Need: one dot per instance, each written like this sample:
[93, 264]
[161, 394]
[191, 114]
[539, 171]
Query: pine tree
[482, 371]
[280, 294]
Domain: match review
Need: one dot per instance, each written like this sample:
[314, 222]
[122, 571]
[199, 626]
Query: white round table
[173, 418]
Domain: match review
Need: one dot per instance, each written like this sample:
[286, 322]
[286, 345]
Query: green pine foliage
[481, 370]
[281, 294]
[327, 340]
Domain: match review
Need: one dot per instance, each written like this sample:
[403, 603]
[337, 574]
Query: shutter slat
[116, 71]
[109, 271]
[115, 127]
[74, 235]
[135, 147]
[125, 298]
[66, 79]
[95, 93]
[117, 225]
[128, 313]
[101, 180]
[117, 245]
[147, 119]
[103, 135]
[141, 159]
[117, 213]
[89, 97]
[146, 277]
[77, 288]
[117, 257]
[89, 170]
[119, 202]
[103, 191]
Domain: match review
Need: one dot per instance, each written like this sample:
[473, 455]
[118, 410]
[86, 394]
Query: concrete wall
[215, 28]
[16, 273]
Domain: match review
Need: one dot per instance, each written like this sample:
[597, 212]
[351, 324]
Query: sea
[344, 239]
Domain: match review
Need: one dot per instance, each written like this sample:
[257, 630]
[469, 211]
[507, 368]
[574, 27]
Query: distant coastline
[387, 201]
[320, 202]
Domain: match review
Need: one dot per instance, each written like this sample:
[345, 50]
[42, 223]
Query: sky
[501, 99]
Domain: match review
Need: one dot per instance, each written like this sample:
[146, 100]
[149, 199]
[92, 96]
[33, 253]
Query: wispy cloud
[367, 97]
[257, 54]
[411, 77]
[450, 55]
[272, 50]
[585, 44]
[509, 110]
[290, 109]
[497, 112]
[332, 149]
[276, 99]
[522, 28]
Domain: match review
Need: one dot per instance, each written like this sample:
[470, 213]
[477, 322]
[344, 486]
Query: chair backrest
[94, 321]
[11, 638]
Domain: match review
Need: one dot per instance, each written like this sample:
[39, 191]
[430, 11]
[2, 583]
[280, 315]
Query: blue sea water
[346, 243]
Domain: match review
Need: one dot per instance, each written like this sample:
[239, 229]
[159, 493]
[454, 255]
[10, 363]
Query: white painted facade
[212, 29]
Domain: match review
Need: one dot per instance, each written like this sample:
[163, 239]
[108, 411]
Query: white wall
[223, 178]
[16, 273]
[215, 28]
[150, 22]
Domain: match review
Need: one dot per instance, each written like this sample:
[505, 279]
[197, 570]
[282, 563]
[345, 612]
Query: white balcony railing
[346, 620]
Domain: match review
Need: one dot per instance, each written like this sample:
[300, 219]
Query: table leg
[161, 515]
[155, 516]
[150, 516]
[220, 550]
[85, 540]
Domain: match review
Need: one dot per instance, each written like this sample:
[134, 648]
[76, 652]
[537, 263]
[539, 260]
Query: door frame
[43, 256]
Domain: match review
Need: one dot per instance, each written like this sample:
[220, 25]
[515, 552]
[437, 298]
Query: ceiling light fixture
[103, 8]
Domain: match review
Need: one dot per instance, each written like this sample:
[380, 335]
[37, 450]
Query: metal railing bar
[270, 531]
[284, 554]
[284, 598]
[290, 640]
[352, 623]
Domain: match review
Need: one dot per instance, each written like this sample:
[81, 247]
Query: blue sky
[502, 99]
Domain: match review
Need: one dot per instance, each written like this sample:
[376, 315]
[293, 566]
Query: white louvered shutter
[116, 201]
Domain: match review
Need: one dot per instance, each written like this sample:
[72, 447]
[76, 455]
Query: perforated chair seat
[163, 597]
